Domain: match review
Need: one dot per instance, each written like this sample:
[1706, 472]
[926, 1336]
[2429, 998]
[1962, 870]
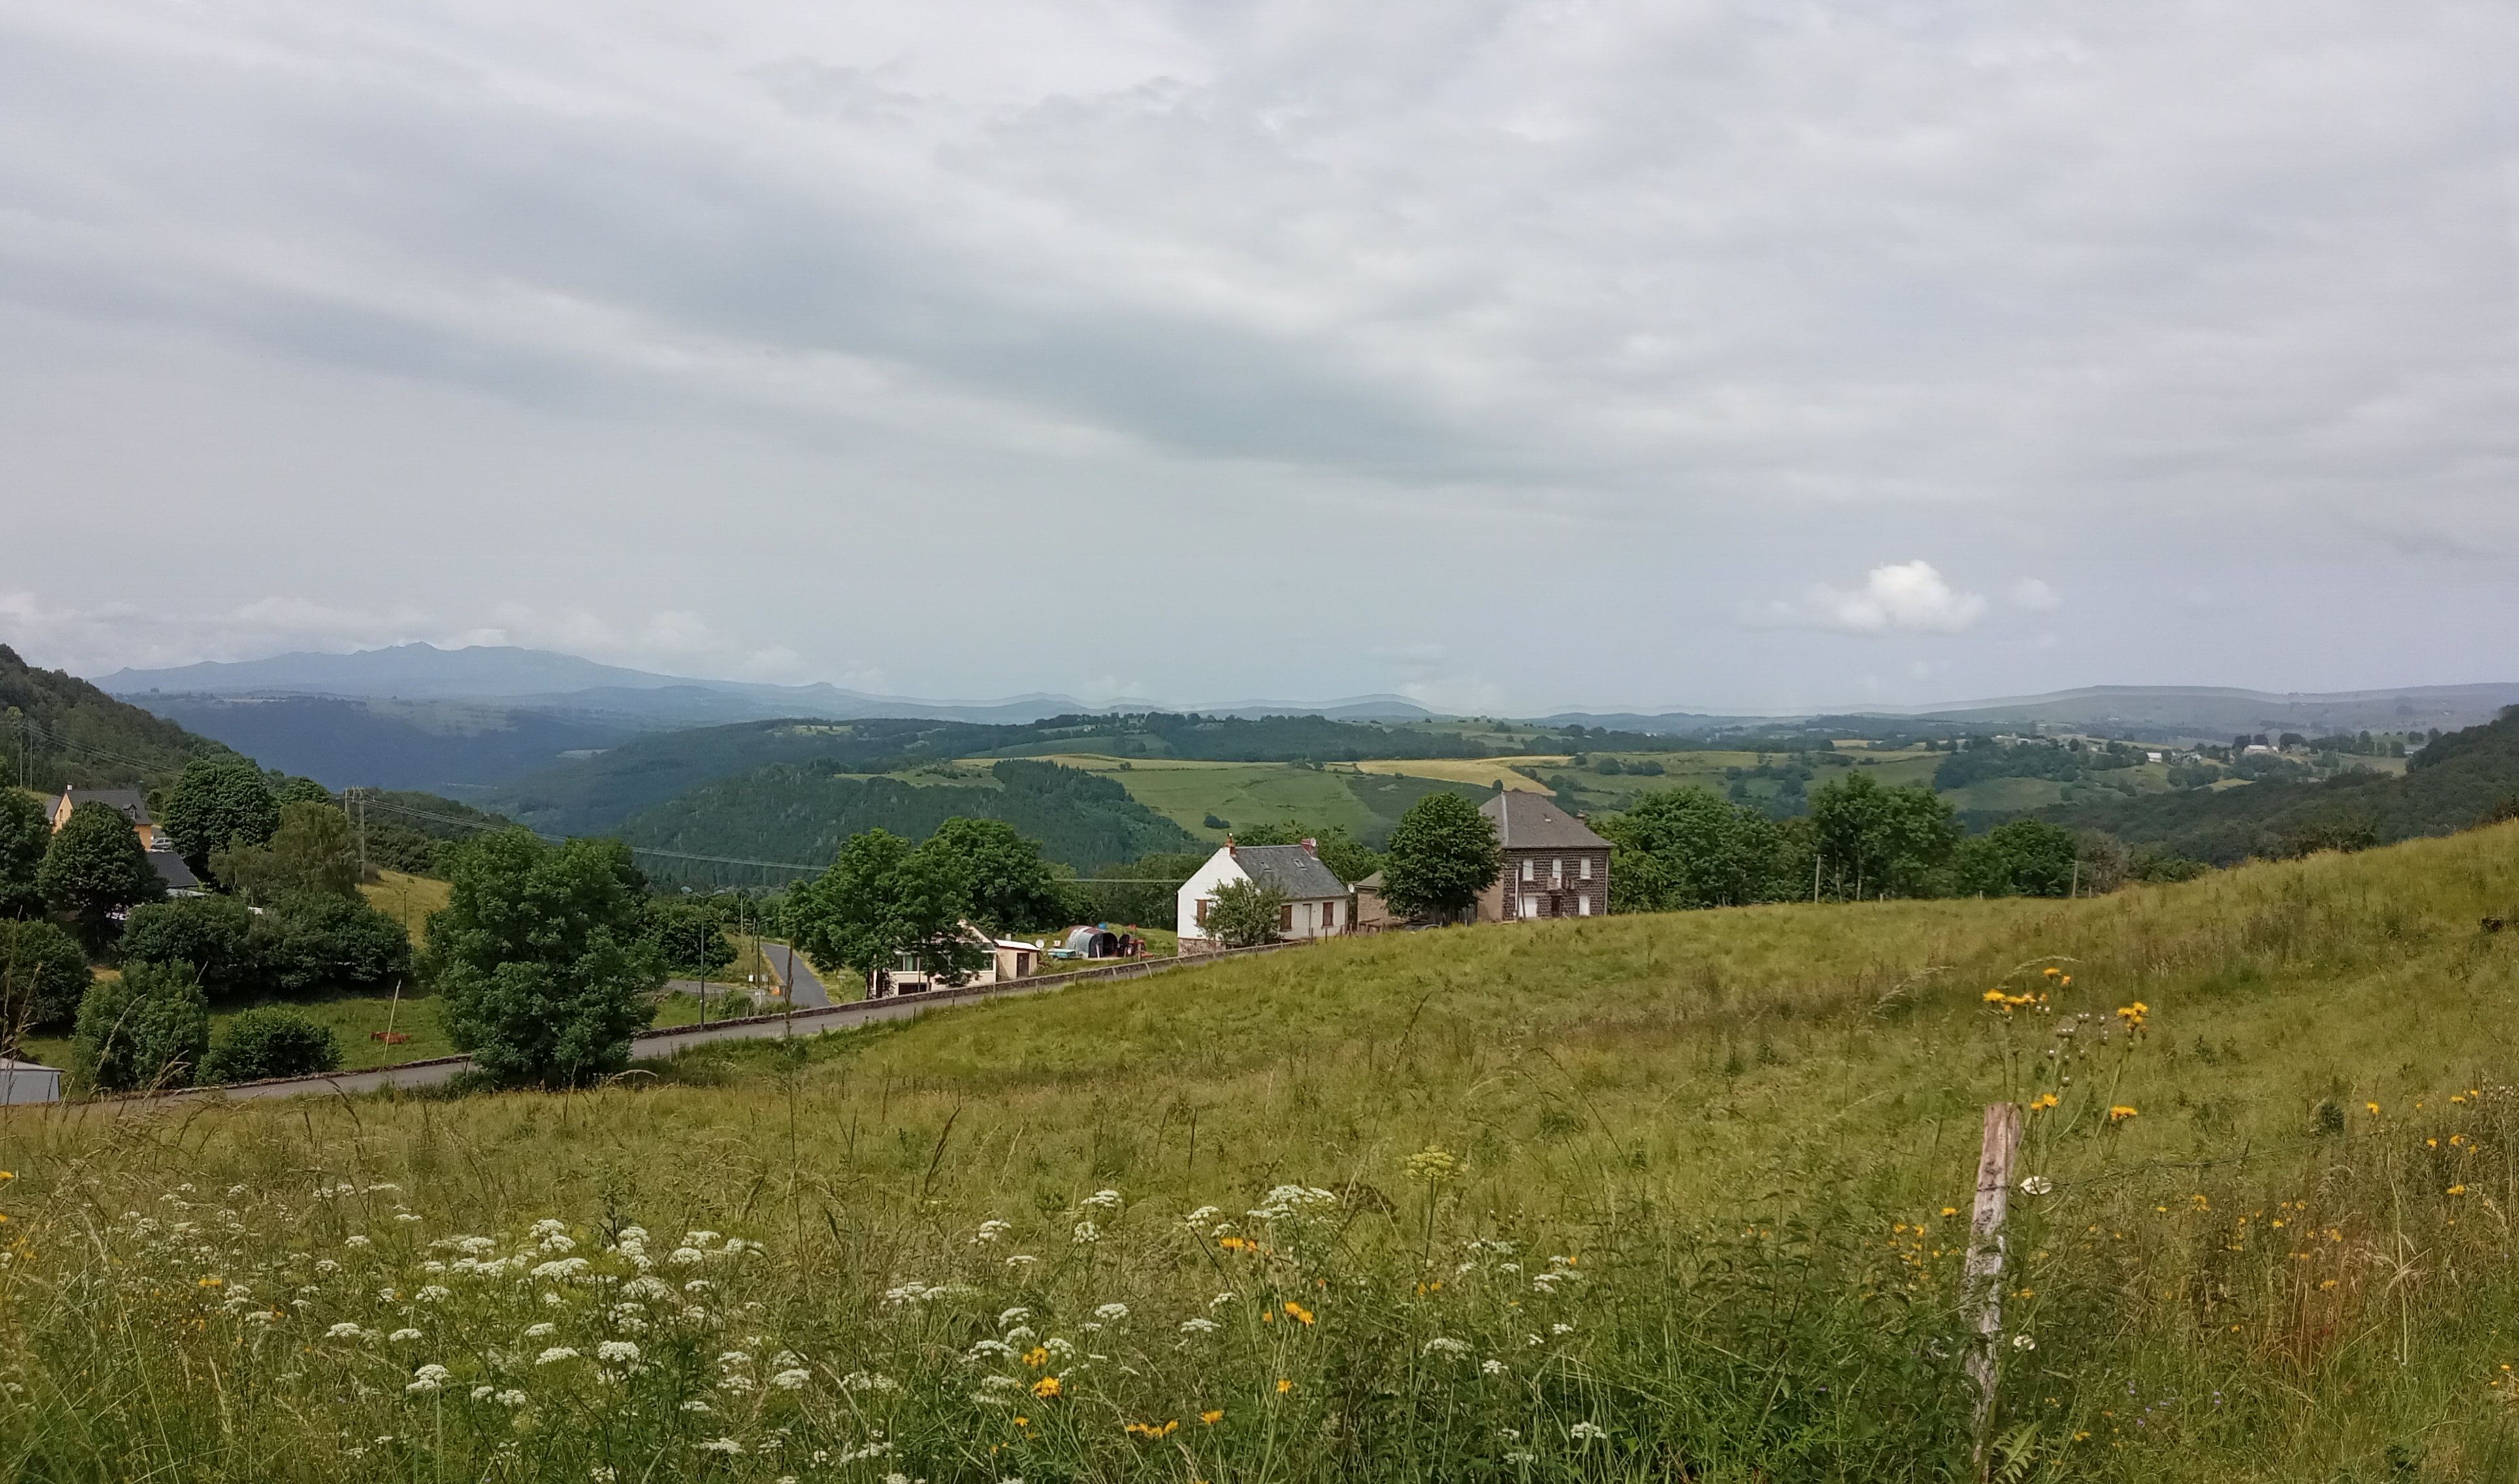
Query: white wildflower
[2023, 1343]
[720, 1445]
[1101, 1200]
[482, 1393]
[2036, 1185]
[344, 1332]
[326, 1265]
[984, 1347]
[536, 1331]
[1221, 1299]
[1021, 1260]
[1086, 1234]
[427, 1378]
[511, 1398]
[1439, 1345]
[1493, 1367]
[1013, 1317]
[1198, 1326]
[400, 1335]
[616, 1350]
[685, 1257]
[991, 1231]
[554, 1355]
[432, 1294]
[1110, 1313]
[354, 1242]
[1587, 1432]
[698, 1239]
[790, 1380]
[1201, 1217]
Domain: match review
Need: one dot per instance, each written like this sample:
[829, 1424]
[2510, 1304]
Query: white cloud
[1899, 597]
[2035, 596]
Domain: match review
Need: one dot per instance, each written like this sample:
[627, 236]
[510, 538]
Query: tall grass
[1659, 1198]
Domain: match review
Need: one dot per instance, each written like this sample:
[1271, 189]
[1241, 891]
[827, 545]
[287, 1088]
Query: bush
[95, 867]
[1246, 914]
[42, 975]
[311, 939]
[147, 1029]
[270, 1041]
[216, 935]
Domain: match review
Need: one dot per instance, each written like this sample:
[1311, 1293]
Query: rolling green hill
[2446, 787]
[1675, 1197]
[794, 813]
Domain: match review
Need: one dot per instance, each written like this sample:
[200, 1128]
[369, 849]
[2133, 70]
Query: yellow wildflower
[1045, 1388]
[2373, 1106]
[1284, 1385]
[1298, 1312]
[1210, 1418]
[2121, 1112]
[1037, 1357]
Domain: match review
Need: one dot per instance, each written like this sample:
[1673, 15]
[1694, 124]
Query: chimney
[1312, 847]
[1230, 849]
[1579, 814]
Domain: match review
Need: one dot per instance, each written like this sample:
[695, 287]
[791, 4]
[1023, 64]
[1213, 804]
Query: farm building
[1316, 900]
[1554, 865]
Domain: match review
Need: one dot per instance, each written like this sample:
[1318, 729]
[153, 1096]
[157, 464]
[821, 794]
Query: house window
[1583, 906]
[1203, 904]
[1286, 918]
[1329, 915]
[1528, 867]
[1586, 865]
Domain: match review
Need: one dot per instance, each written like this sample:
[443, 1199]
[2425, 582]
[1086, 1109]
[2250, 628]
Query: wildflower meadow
[1669, 1198]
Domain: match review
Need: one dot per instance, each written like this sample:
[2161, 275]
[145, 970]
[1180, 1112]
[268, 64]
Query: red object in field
[389, 1037]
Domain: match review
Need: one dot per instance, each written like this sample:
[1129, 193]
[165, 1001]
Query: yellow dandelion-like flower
[1950, 1210]
[1298, 1312]
[2121, 1112]
[2051, 970]
[1210, 1418]
[1047, 1387]
[1037, 1357]
[1994, 996]
[2373, 1106]
[2457, 1190]
[1284, 1385]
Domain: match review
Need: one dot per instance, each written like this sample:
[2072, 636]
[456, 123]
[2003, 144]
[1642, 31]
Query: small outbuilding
[28, 1082]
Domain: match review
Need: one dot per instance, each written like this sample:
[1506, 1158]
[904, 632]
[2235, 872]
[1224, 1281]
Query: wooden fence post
[1981, 1289]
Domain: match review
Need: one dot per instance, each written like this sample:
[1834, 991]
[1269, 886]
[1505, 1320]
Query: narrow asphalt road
[804, 986]
[648, 1044]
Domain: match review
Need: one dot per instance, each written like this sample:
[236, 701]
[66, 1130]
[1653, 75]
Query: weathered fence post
[1981, 1288]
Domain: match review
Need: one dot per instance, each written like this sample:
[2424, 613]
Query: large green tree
[215, 934]
[147, 1029]
[2024, 858]
[43, 973]
[312, 851]
[688, 935]
[95, 867]
[1684, 848]
[538, 957]
[215, 804]
[883, 900]
[1443, 855]
[1877, 842]
[24, 832]
[1006, 887]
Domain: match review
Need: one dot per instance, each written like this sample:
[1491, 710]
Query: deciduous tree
[43, 974]
[1443, 855]
[95, 867]
[538, 959]
[24, 832]
[1006, 887]
[215, 804]
[1246, 914]
[1881, 842]
[881, 900]
[1689, 848]
[313, 852]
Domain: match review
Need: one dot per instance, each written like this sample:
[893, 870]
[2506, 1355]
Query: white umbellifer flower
[1439, 1345]
[1520, 1456]
[1198, 1326]
[1110, 1312]
[1201, 1217]
[406, 1217]
[427, 1378]
[326, 1265]
[536, 1331]
[601, 1474]
[1492, 1368]
[1013, 1317]
[548, 1226]
[344, 1332]
[511, 1398]
[1103, 1201]
[1086, 1234]
[1221, 1299]
[2036, 1185]
[1560, 1329]
[434, 1294]
[734, 1358]
[698, 1239]
[403, 1334]
[790, 1380]
[560, 1269]
[555, 1242]
[1021, 1260]
[991, 1231]
[685, 1257]
[720, 1445]
[354, 1242]
[1587, 1432]
[696, 1405]
[2023, 1343]
[997, 1347]
[616, 1350]
[481, 1393]
[554, 1355]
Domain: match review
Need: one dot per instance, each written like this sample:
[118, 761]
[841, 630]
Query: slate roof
[1289, 868]
[127, 801]
[1527, 821]
[171, 870]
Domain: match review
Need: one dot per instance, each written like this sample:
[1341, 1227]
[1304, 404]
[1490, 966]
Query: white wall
[1218, 870]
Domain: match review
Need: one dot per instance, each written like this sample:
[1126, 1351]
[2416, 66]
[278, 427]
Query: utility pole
[703, 978]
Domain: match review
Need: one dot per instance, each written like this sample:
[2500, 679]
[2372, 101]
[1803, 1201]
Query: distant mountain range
[418, 716]
[541, 679]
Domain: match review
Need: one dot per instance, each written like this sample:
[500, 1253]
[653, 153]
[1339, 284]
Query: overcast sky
[1507, 356]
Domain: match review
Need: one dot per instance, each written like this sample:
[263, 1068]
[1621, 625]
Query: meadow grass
[1660, 1198]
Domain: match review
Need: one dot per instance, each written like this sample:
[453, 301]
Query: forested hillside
[390, 744]
[57, 730]
[801, 814]
[2448, 786]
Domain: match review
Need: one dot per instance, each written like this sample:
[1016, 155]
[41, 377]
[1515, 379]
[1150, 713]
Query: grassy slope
[1366, 799]
[1723, 1116]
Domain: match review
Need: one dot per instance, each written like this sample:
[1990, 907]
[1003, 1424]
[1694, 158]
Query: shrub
[42, 975]
[215, 934]
[311, 939]
[270, 1041]
[149, 1028]
[1246, 914]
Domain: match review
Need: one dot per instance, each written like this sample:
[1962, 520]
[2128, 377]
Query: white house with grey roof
[1316, 900]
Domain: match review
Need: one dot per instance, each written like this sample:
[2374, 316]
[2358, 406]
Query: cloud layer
[850, 332]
